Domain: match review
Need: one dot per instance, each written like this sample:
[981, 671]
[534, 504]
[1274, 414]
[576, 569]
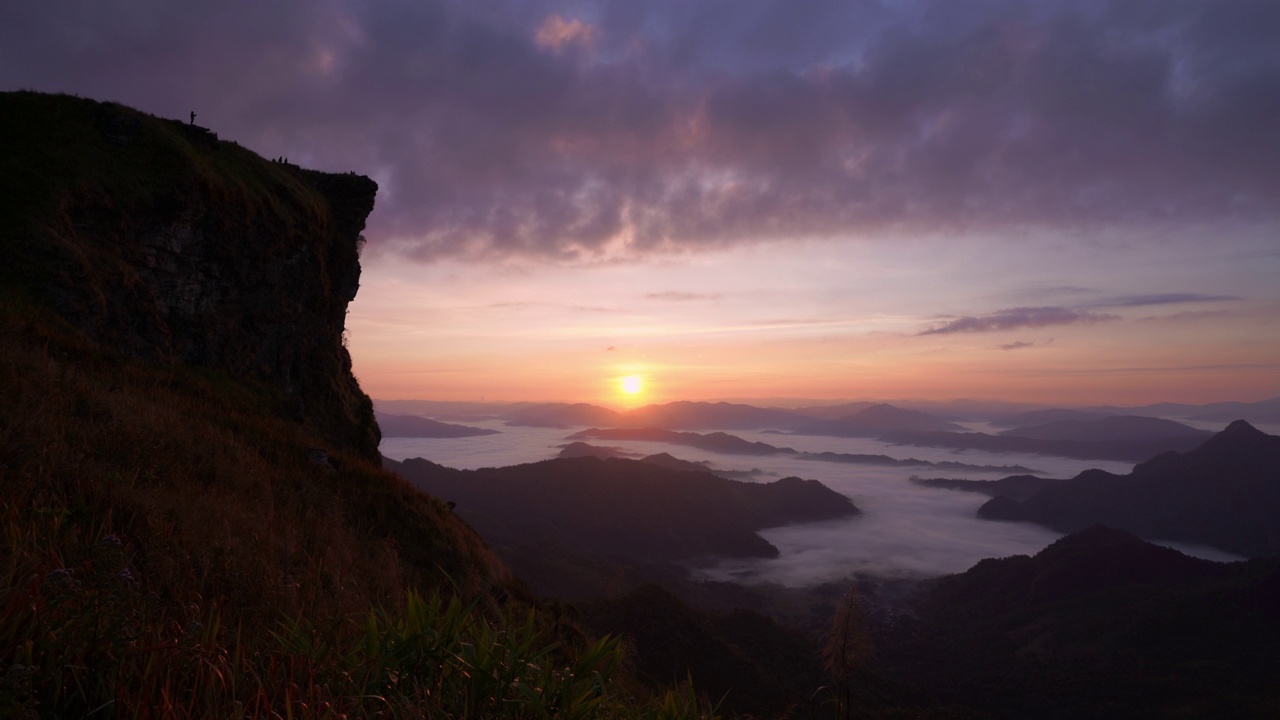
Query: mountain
[448, 410]
[666, 460]
[832, 412]
[581, 449]
[1050, 415]
[710, 416]
[1114, 428]
[1262, 411]
[628, 508]
[1018, 487]
[562, 415]
[1126, 450]
[1101, 625]
[734, 445]
[884, 417]
[673, 463]
[876, 420]
[1225, 493]
[715, 442]
[420, 427]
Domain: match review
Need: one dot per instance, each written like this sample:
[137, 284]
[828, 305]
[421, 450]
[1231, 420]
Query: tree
[847, 650]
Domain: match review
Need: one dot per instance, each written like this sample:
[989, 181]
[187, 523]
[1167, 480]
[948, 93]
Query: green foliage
[441, 657]
[95, 643]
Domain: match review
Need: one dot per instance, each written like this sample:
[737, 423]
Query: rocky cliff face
[157, 239]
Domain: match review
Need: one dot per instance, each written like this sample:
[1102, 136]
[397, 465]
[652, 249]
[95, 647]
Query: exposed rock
[163, 242]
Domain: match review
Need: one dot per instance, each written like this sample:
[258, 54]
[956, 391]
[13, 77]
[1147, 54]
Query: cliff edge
[160, 241]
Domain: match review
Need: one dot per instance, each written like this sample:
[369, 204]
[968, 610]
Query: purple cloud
[502, 128]
[1021, 317]
[675, 296]
[1162, 299]
[1189, 316]
[1018, 345]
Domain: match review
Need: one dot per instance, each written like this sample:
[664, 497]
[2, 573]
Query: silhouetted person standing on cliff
[193, 117]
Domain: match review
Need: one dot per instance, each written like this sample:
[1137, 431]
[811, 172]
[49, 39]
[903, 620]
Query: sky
[1051, 201]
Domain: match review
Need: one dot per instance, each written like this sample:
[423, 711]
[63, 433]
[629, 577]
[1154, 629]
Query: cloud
[527, 305]
[1162, 299]
[673, 296]
[699, 125]
[1018, 345]
[1015, 318]
[556, 33]
[1190, 316]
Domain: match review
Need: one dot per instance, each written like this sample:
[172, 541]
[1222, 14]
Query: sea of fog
[905, 530]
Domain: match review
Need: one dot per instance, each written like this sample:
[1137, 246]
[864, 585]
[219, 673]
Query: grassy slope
[76, 164]
[168, 548]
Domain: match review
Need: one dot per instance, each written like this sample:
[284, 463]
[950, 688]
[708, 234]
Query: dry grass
[169, 547]
[170, 550]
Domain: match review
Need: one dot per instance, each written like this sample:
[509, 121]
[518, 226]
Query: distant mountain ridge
[666, 460]
[711, 416]
[1261, 411]
[1225, 493]
[563, 415]
[1050, 415]
[884, 417]
[1109, 429]
[734, 445]
[420, 427]
[1123, 449]
[856, 419]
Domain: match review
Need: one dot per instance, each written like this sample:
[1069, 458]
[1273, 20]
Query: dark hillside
[1102, 625]
[627, 508]
[161, 523]
[751, 662]
[191, 522]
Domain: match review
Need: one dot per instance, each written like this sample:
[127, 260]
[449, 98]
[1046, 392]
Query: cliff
[164, 243]
[192, 525]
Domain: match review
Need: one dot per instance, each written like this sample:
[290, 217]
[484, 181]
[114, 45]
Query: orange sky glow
[722, 326]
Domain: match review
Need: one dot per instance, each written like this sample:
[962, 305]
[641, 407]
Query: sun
[631, 384]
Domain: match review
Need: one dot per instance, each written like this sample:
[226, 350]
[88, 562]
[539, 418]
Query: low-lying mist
[905, 530]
